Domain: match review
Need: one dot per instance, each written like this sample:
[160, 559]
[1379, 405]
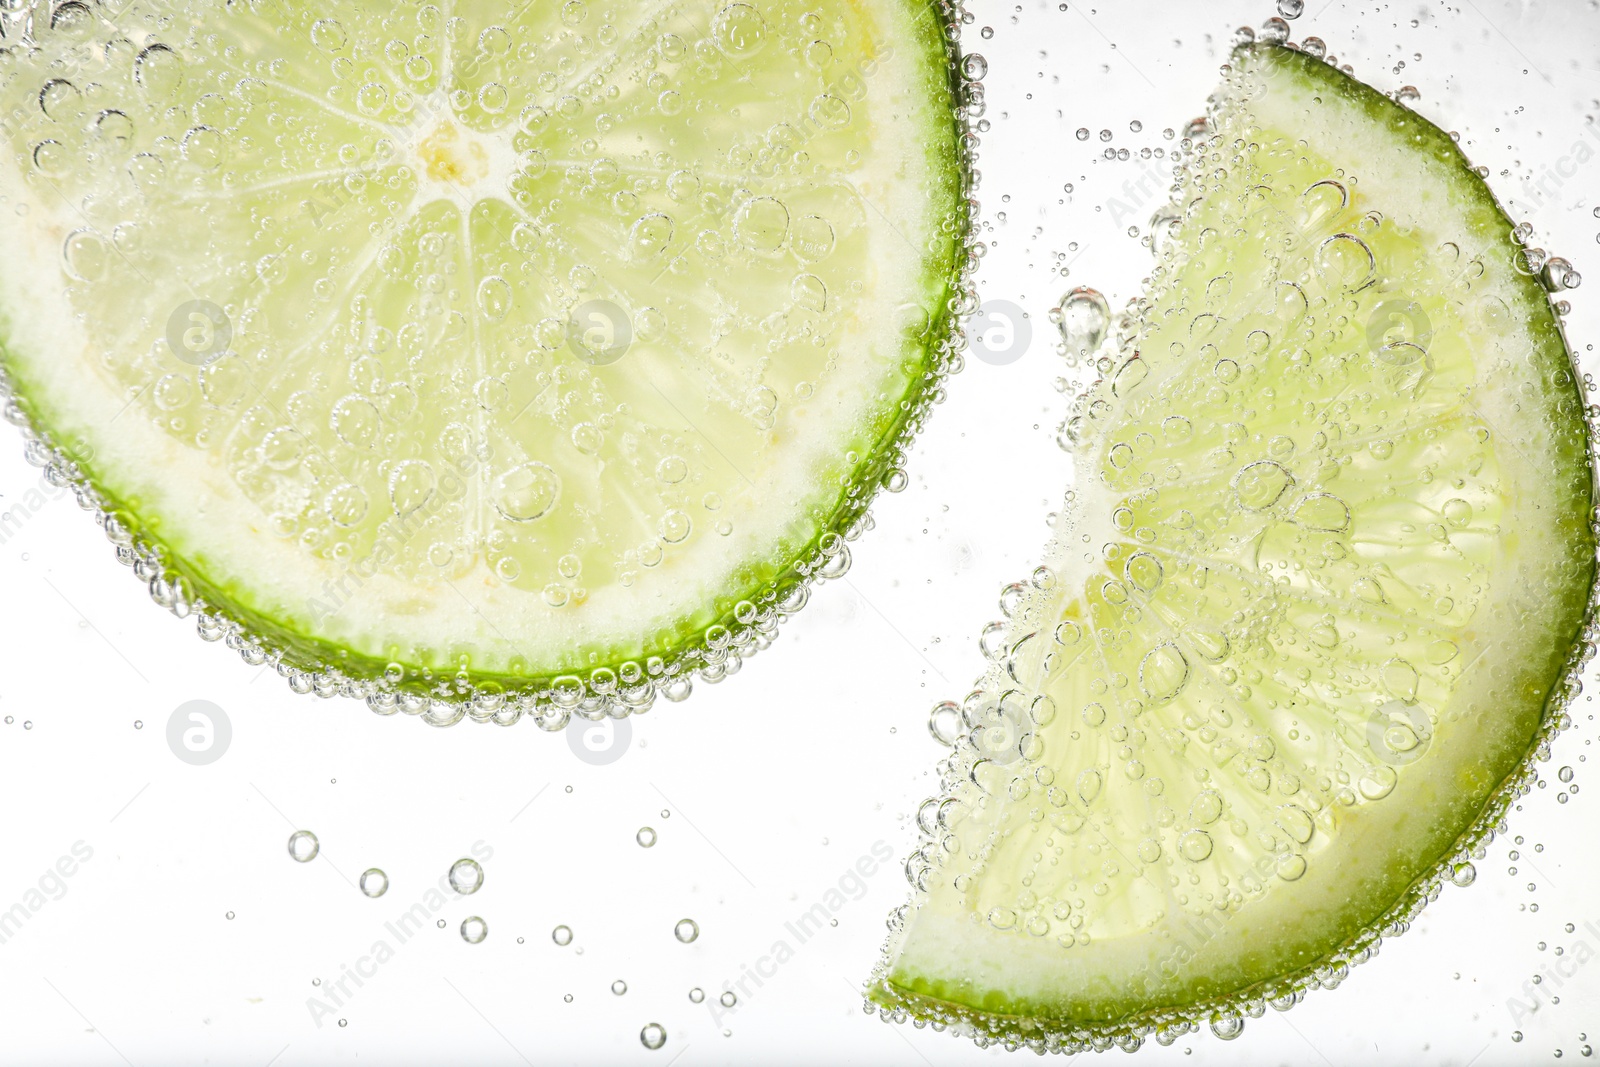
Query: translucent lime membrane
[483, 350]
[1311, 611]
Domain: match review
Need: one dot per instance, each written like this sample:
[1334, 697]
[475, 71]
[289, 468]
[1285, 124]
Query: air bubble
[328, 35]
[411, 484]
[303, 846]
[739, 31]
[762, 224]
[1195, 845]
[1083, 316]
[1274, 31]
[466, 876]
[527, 492]
[494, 297]
[944, 723]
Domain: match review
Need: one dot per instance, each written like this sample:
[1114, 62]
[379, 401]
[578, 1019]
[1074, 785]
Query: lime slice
[1308, 617]
[539, 348]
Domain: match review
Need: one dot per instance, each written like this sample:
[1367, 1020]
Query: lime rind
[706, 647]
[1225, 1014]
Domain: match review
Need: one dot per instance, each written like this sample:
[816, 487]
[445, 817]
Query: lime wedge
[1310, 613]
[546, 349]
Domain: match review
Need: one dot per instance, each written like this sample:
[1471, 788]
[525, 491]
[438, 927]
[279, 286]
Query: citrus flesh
[1310, 609]
[483, 343]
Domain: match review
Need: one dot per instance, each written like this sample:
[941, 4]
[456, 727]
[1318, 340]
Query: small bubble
[567, 998]
[1082, 317]
[697, 995]
[1291, 9]
[646, 837]
[304, 846]
[619, 987]
[374, 883]
[686, 930]
[1083, 135]
[344, 1022]
[562, 935]
[527, 492]
[473, 930]
[466, 877]
[653, 1036]
[229, 915]
[728, 998]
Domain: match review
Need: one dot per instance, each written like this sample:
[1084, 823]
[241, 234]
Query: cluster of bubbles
[465, 877]
[995, 734]
[332, 464]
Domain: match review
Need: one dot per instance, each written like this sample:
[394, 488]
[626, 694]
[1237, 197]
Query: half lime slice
[1310, 613]
[487, 349]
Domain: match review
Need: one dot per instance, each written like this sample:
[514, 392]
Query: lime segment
[1308, 614]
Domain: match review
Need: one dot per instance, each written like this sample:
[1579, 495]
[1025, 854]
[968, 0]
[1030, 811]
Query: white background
[776, 781]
